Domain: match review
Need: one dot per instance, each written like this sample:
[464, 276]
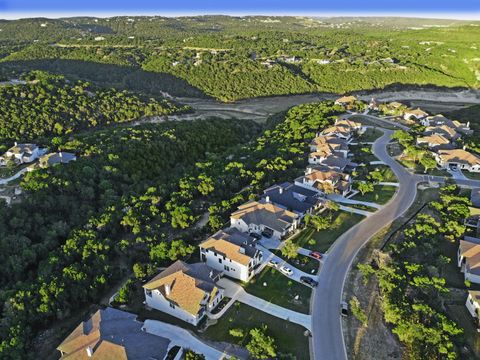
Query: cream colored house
[458, 159]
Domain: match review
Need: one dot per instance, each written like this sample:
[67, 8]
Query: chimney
[60, 154]
[89, 351]
[464, 147]
[468, 124]
[280, 190]
[309, 171]
[15, 143]
[167, 289]
[267, 199]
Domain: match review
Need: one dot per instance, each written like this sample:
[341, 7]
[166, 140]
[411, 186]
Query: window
[172, 306]
[148, 292]
[226, 268]
[220, 261]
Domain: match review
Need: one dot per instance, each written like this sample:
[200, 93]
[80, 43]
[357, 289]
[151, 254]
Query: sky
[457, 9]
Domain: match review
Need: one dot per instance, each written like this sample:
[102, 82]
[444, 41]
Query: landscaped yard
[289, 337]
[323, 239]
[419, 169]
[301, 262]
[388, 175]
[362, 154]
[370, 135]
[280, 290]
[380, 195]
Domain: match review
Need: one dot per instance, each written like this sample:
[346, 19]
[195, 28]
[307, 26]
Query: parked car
[286, 270]
[316, 255]
[308, 281]
[255, 235]
[273, 263]
[344, 308]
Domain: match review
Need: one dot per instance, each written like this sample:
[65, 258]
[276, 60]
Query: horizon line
[466, 16]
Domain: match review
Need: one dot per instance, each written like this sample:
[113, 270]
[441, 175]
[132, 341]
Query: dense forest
[49, 105]
[231, 58]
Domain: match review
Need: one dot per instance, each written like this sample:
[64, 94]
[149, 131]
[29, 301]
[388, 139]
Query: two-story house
[468, 258]
[444, 130]
[186, 291]
[325, 181]
[434, 142]
[21, 153]
[52, 159]
[336, 145]
[264, 217]
[457, 159]
[414, 114]
[232, 252]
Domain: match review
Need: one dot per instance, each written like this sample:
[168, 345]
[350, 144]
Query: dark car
[344, 308]
[316, 255]
[255, 235]
[308, 281]
[268, 234]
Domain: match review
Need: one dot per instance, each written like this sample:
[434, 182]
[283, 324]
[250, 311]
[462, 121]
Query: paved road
[327, 340]
[13, 177]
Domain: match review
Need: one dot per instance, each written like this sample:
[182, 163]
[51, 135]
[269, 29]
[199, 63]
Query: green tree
[261, 346]
[290, 250]
[365, 187]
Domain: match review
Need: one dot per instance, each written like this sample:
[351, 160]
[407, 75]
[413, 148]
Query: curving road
[327, 338]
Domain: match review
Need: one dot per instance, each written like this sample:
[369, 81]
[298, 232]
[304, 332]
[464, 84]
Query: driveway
[234, 290]
[268, 255]
[344, 200]
[13, 177]
[327, 340]
[183, 338]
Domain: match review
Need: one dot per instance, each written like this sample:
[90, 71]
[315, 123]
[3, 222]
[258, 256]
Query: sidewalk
[232, 289]
[344, 200]
[356, 211]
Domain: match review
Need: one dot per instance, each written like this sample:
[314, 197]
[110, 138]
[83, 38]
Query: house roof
[459, 156]
[112, 334]
[337, 129]
[337, 162]
[264, 213]
[442, 129]
[57, 158]
[395, 104]
[346, 99]
[292, 197]
[233, 244]
[321, 176]
[23, 148]
[331, 140]
[417, 112]
[186, 285]
[348, 123]
[475, 295]
[435, 139]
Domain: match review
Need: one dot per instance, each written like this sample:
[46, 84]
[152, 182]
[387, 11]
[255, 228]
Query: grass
[472, 176]
[301, 262]
[280, 290]
[388, 175]
[323, 239]
[419, 169]
[362, 154]
[370, 135]
[380, 195]
[289, 337]
[362, 207]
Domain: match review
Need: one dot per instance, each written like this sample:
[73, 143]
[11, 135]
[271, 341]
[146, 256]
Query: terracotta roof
[265, 213]
[183, 286]
[233, 244]
[330, 140]
[442, 129]
[435, 139]
[337, 129]
[348, 123]
[323, 176]
[459, 155]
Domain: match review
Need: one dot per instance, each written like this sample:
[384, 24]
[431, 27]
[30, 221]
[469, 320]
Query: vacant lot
[380, 195]
[272, 286]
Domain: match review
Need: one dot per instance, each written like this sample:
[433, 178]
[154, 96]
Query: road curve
[327, 336]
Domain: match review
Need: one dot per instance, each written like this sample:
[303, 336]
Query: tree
[125, 292]
[365, 187]
[261, 346]
[290, 250]
[321, 222]
[357, 311]
[191, 355]
[375, 176]
[428, 162]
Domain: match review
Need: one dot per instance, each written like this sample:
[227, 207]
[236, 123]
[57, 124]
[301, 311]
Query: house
[112, 334]
[352, 125]
[264, 217]
[320, 155]
[346, 100]
[52, 159]
[341, 132]
[186, 291]
[444, 130]
[473, 304]
[468, 258]
[439, 120]
[373, 104]
[416, 114]
[338, 163]
[434, 142]
[294, 198]
[21, 153]
[334, 144]
[325, 181]
[458, 159]
[231, 252]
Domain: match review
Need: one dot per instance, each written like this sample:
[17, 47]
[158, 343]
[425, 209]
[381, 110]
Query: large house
[473, 304]
[186, 291]
[231, 252]
[112, 334]
[21, 153]
[417, 114]
[325, 181]
[444, 130]
[52, 159]
[343, 129]
[336, 163]
[468, 258]
[334, 144]
[264, 217]
[294, 198]
[346, 100]
[439, 120]
[434, 142]
[458, 159]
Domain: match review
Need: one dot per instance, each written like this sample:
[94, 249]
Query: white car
[286, 270]
[273, 263]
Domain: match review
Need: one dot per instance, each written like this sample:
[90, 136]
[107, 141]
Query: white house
[439, 120]
[444, 130]
[231, 252]
[417, 114]
[457, 159]
[468, 258]
[435, 141]
[473, 304]
[21, 153]
[186, 291]
[263, 217]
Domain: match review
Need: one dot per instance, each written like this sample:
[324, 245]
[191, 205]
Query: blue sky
[431, 8]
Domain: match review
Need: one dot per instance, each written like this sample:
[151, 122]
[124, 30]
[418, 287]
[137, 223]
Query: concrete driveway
[183, 338]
